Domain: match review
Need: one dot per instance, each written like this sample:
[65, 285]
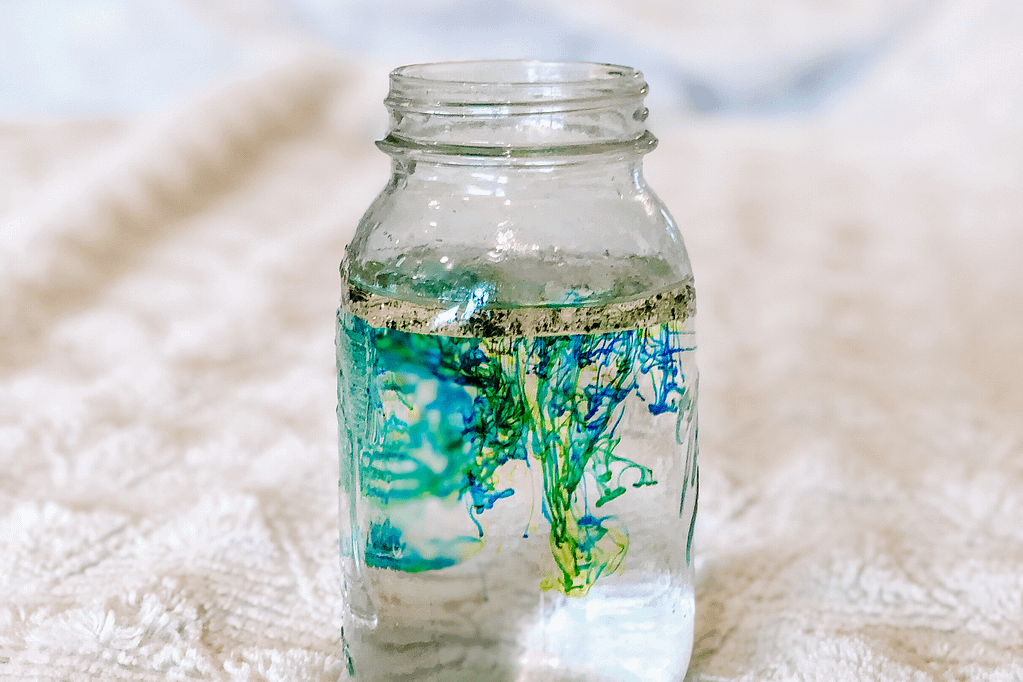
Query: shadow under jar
[517, 388]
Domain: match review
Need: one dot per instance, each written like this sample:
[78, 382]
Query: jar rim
[513, 82]
[485, 72]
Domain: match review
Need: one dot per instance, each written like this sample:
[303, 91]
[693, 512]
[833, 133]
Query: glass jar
[517, 389]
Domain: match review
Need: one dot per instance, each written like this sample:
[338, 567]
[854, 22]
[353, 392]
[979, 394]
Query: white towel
[167, 434]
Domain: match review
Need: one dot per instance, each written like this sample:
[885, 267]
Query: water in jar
[508, 472]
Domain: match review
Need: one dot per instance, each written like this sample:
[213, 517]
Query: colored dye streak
[442, 427]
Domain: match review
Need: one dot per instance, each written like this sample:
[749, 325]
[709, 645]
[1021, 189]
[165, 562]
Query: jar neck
[516, 110]
[621, 173]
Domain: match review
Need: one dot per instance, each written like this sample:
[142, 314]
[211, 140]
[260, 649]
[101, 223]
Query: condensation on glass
[517, 388]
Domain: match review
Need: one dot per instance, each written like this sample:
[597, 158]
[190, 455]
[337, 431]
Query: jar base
[617, 633]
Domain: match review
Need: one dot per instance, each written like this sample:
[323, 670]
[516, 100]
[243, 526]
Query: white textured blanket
[167, 433]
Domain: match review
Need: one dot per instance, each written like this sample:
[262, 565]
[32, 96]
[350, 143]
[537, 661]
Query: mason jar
[517, 388]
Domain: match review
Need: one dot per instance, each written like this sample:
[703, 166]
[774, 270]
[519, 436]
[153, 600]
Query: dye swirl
[448, 415]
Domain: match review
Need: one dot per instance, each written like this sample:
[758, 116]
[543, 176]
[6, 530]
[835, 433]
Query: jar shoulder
[527, 243]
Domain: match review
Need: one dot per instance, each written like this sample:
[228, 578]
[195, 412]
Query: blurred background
[746, 57]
